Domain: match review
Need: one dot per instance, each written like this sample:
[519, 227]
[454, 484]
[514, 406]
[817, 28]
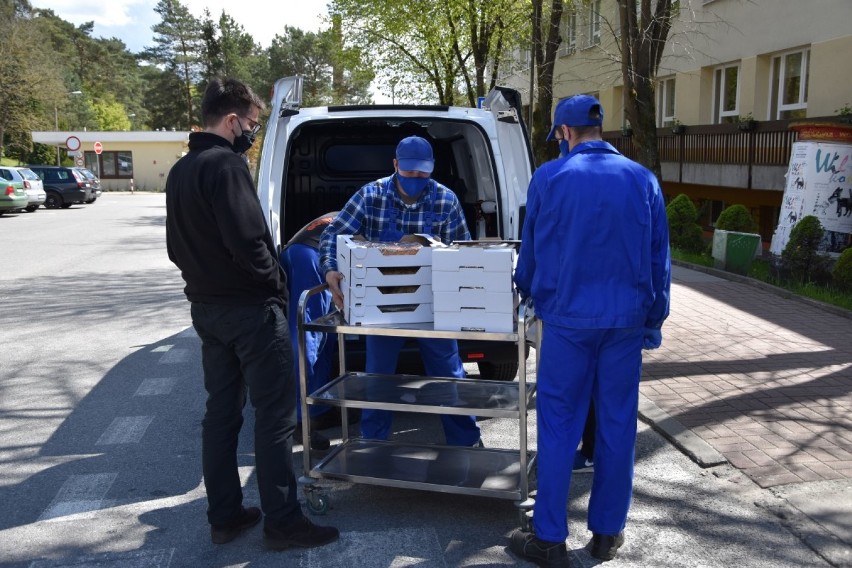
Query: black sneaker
[220, 534]
[319, 442]
[529, 547]
[302, 533]
[604, 546]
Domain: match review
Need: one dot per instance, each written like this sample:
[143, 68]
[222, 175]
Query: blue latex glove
[652, 339]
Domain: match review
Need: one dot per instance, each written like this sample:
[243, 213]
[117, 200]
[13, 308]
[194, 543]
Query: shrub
[800, 256]
[841, 276]
[684, 233]
[736, 218]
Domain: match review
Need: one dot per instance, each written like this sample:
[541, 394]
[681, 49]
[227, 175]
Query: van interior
[331, 160]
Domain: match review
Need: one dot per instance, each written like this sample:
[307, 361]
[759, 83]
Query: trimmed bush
[841, 276]
[800, 256]
[736, 218]
[684, 233]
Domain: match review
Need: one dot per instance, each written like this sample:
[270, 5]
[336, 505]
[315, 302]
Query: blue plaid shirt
[368, 213]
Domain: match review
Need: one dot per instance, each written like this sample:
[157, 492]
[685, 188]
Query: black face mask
[244, 140]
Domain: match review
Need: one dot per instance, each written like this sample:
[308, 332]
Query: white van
[314, 159]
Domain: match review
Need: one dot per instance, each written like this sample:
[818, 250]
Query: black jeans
[247, 348]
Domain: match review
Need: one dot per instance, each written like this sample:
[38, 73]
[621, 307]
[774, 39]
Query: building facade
[734, 75]
[138, 160]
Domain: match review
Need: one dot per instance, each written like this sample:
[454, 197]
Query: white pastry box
[473, 288]
[386, 283]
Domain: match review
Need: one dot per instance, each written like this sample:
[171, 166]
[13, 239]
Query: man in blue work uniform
[386, 210]
[595, 260]
[300, 260]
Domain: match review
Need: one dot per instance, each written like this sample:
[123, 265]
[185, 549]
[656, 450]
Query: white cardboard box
[472, 319]
[384, 315]
[388, 295]
[476, 298]
[498, 257]
[390, 275]
[353, 253]
[471, 278]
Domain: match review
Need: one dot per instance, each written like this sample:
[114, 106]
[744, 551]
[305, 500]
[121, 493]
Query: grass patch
[761, 270]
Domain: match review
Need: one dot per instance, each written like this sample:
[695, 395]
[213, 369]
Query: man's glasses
[254, 126]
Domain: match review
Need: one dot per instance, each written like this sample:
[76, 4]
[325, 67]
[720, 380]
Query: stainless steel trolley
[493, 472]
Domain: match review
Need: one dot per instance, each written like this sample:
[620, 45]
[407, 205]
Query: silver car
[33, 185]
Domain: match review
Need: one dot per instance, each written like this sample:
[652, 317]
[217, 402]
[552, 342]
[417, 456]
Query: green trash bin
[740, 250]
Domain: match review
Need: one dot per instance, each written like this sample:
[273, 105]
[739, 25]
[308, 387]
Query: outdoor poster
[819, 183]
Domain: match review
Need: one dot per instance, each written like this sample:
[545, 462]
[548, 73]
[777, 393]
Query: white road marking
[132, 559]
[155, 387]
[125, 430]
[411, 547]
[79, 494]
[174, 356]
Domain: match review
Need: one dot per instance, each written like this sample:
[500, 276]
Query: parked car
[32, 185]
[64, 186]
[314, 159]
[94, 180]
[12, 196]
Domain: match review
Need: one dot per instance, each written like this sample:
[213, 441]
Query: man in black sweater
[217, 236]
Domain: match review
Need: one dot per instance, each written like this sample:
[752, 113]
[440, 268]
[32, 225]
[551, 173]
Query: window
[595, 22]
[789, 88]
[666, 102]
[726, 94]
[109, 165]
[569, 33]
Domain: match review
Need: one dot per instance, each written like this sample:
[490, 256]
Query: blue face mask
[563, 148]
[412, 186]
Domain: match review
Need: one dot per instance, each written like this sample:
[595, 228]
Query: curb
[679, 435]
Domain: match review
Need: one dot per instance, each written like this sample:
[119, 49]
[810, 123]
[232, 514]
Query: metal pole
[56, 128]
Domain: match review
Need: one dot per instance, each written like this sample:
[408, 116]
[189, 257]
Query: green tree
[801, 255]
[545, 44]
[450, 50]
[644, 27]
[231, 52]
[317, 56]
[178, 49]
[841, 274]
[30, 82]
[736, 218]
[684, 232]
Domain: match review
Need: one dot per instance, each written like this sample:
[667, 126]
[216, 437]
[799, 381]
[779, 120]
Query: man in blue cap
[388, 210]
[595, 260]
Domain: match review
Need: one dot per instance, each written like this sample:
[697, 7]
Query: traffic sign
[72, 143]
[98, 147]
[79, 161]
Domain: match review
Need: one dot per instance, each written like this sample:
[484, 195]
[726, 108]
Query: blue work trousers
[247, 348]
[441, 359]
[577, 366]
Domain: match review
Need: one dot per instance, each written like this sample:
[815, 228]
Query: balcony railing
[768, 143]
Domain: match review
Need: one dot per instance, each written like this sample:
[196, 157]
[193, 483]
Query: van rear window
[360, 158]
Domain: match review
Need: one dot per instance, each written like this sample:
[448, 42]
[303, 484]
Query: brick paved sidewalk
[765, 380]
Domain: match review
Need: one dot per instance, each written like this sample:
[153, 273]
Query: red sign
[98, 147]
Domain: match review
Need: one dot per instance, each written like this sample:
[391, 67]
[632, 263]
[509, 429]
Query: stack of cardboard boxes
[463, 287]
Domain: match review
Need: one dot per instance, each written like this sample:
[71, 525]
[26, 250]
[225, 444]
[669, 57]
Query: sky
[131, 20]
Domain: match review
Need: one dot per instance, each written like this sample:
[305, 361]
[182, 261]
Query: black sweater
[215, 230]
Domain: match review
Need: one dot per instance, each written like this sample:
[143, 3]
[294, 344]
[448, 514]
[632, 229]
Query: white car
[32, 185]
[314, 158]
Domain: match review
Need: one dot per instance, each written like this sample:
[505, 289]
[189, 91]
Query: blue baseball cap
[579, 110]
[414, 154]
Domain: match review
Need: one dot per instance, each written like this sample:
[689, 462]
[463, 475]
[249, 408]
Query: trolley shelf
[415, 393]
[447, 469]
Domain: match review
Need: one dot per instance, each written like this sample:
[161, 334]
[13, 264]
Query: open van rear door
[515, 155]
[286, 101]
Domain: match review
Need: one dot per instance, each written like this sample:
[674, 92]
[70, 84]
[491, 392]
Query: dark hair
[222, 97]
[585, 131]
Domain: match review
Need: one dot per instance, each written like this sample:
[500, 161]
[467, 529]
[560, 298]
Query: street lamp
[56, 123]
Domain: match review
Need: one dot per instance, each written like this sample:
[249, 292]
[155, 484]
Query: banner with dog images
[819, 183]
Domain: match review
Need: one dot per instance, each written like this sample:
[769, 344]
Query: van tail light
[27, 185]
[10, 190]
[81, 185]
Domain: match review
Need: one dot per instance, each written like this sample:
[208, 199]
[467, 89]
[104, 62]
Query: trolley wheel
[317, 503]
[525, 513]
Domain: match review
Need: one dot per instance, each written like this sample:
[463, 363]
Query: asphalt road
[100, 408]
